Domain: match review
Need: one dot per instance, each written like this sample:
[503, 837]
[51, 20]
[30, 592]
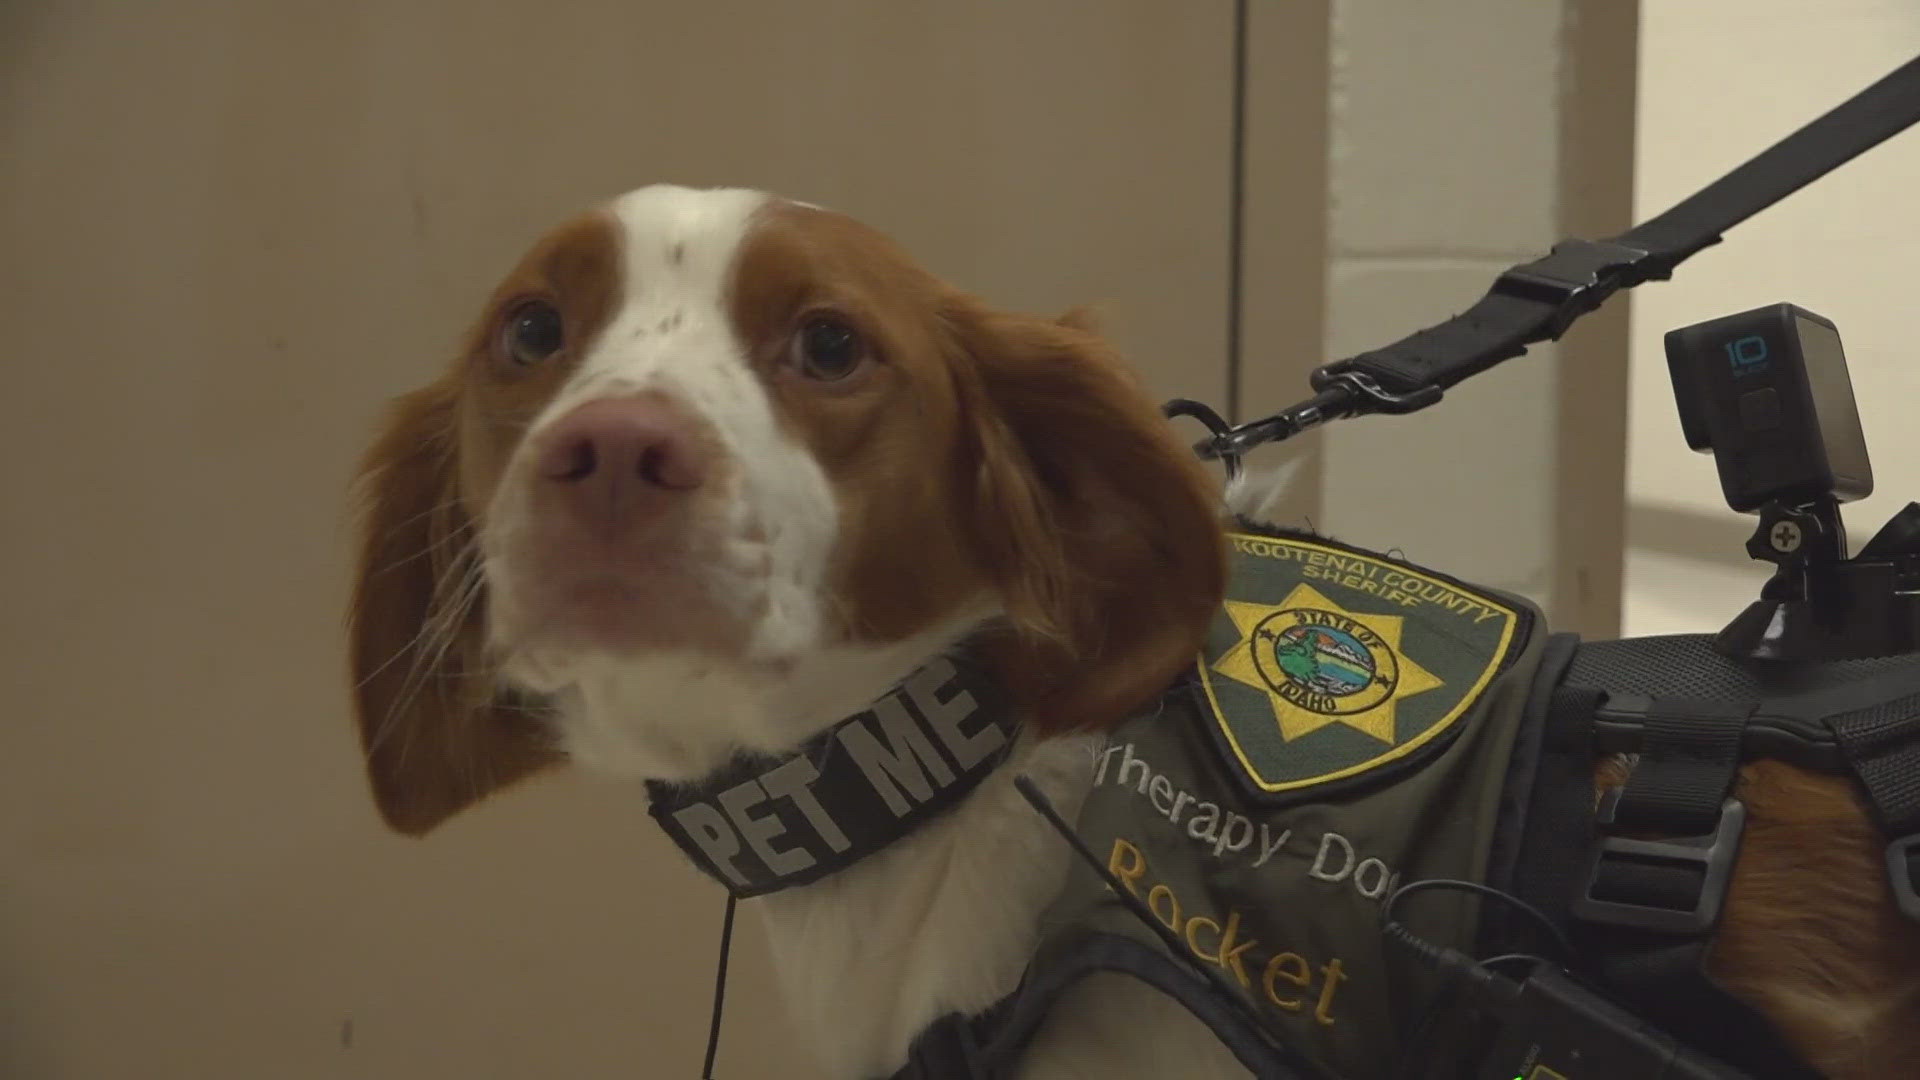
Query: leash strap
[1538, 301]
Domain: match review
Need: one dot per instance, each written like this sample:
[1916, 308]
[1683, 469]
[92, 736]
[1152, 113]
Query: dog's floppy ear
[435, 732]
[1103, 531]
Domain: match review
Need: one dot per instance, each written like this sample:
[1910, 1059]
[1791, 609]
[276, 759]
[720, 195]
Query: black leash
[1538, 301]
[719, 989]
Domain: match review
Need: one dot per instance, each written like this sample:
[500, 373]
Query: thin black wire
[719, 990]
[1558, 935]
[1508, 958]
[1236, 208]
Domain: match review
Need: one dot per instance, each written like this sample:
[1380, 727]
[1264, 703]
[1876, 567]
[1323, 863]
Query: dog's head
[713, 468]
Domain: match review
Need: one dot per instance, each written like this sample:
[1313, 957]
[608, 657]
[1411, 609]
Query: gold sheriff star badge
[1319, 664]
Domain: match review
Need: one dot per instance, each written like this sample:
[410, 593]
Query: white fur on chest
[943, 921]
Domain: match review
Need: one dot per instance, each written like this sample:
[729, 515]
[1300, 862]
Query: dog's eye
[827, 349]
[533, 333]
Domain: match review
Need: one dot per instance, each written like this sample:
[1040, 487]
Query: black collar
[760, 824]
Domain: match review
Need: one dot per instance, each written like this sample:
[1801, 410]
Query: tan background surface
[232, 230]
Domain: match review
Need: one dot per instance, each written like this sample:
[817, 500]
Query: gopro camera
[1766, 392]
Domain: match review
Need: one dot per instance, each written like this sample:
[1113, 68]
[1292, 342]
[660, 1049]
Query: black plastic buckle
[1712, 855]
[1576, 277]
[1900, 874]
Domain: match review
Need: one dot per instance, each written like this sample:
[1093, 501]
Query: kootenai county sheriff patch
[1328, 665]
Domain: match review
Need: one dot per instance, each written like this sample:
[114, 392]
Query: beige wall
[232, 230]
[1721, 80]
[1467, 137]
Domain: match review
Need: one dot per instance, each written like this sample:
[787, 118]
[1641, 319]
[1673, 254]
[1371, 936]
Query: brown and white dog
[716, 470]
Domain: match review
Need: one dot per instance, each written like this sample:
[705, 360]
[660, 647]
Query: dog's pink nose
[620, 458]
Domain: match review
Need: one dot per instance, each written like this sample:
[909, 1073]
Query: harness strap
[1648, 922]
[952, 1048]
[1676, 881]
[1657, 973]
[1547, 873]
[1528, 856]
[1858, 717]
[1650, 906]
[1882, 746]
[1688, 761]
[988, 1047]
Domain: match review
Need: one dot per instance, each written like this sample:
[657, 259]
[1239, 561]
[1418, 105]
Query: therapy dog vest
[1355, 723]
[1345, 730]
